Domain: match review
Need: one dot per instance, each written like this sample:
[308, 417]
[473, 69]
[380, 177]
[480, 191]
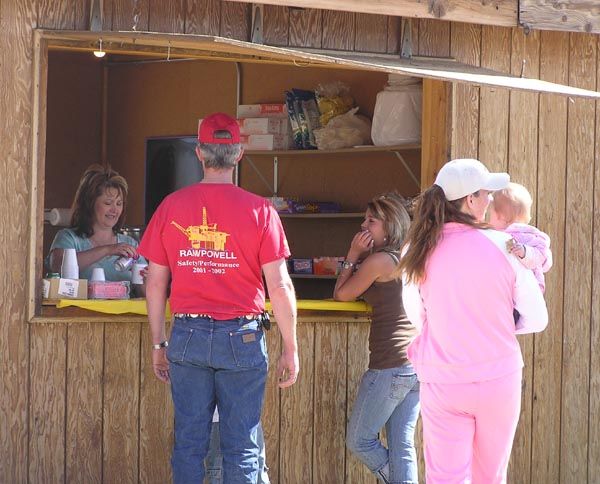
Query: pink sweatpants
[468, 429]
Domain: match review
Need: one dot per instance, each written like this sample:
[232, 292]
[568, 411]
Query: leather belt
[249, 317]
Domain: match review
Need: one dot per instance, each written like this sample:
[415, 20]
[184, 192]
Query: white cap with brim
[459, 178]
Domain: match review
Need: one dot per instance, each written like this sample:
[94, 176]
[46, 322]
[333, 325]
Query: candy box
[302, 266]
[108, 289]
[327, 266]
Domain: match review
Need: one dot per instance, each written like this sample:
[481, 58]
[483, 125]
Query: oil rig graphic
[204, 236]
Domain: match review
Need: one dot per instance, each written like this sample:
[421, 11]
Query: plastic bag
[344, 131]
[333, 99]
[397, 115]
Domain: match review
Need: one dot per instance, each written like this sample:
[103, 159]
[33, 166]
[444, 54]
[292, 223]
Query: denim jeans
[387, 397]
[214, 363]
[214, 460]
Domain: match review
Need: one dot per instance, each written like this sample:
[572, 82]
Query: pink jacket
[538, 256]
[464, 308]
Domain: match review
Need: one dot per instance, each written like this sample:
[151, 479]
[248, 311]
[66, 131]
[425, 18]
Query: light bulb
[99, 53]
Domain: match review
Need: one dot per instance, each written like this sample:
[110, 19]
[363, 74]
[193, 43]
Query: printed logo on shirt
[208, 248]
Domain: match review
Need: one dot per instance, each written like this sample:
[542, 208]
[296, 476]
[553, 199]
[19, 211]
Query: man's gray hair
[220, 156]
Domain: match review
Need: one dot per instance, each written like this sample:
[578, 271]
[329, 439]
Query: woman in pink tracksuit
[460, 288]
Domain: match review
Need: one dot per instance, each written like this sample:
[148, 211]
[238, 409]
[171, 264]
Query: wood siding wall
[78, 401]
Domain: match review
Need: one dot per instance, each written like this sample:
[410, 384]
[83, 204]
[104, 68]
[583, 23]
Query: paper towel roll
[58, 216]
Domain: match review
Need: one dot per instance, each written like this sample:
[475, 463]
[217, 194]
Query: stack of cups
[69, 268]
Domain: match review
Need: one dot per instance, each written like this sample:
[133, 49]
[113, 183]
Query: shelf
[357, 149]
[323, 215]
[311, 276]
[396, 150]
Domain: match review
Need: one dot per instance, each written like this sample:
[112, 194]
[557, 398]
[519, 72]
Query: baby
[510, 211]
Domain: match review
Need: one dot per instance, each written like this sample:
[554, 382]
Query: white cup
[98, 274]
[136, 276]
[69, 268]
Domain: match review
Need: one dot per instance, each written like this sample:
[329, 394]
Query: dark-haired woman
[389, 391]
[460, 288]
[98, 215]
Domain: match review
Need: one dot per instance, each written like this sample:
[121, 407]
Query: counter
[134, 310]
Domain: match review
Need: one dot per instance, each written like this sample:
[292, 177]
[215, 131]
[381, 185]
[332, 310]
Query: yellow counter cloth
[138, 306]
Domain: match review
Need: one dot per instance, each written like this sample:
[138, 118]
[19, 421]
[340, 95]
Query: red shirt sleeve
[151, 246]
[273, 245]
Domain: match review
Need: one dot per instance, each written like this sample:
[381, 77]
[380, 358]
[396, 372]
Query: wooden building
[79, 402]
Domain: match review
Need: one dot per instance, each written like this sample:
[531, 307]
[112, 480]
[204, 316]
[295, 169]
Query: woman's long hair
[390, 208]
[93, 183]
[431, 212]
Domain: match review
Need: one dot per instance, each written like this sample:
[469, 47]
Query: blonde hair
[390, 208]
[513, 203]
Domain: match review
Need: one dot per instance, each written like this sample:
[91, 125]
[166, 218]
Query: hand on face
[362, 242]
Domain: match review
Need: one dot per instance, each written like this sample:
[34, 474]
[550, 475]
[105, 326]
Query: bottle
[124, 263]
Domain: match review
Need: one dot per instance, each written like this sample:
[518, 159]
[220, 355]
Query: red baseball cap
[219, 128]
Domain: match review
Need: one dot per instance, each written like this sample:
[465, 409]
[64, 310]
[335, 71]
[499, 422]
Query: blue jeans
[387, 397]
[214, 459]
[214, 363]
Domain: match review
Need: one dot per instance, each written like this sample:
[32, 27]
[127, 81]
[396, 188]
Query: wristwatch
[348, 265]
[160, 345]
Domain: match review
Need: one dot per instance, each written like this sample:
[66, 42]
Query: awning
[210, 47]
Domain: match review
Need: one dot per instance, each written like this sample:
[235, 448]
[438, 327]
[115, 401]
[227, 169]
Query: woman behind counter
[98, 215]
[389, 391]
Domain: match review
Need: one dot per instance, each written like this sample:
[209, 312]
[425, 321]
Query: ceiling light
[99, 53]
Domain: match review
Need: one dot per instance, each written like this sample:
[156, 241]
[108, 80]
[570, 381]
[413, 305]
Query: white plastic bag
[344, 131]
[397, 115]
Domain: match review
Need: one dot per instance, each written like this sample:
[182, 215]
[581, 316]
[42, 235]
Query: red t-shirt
[215, 238]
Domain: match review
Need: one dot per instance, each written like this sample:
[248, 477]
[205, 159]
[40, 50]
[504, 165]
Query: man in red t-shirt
[214, 242]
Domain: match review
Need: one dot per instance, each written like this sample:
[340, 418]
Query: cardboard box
[264, 125]
[265, 142]
[59, 288]
[265, 110]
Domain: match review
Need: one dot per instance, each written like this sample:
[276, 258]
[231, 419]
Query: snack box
[265, 141]
[59, 288]
[264, 125]
[327, 266]
[302, 266]
[265, 110]
[108, 289]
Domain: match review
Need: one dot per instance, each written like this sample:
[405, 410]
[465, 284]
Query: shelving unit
[328, 234]
[276, 154]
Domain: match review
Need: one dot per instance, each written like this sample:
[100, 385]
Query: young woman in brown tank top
[389, 391]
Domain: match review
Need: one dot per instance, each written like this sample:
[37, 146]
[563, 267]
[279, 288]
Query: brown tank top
[390, 331]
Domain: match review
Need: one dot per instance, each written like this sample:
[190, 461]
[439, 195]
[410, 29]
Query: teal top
[68, 239]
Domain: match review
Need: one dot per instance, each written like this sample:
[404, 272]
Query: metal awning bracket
[407, 168]
[406, 40]
[257, 23]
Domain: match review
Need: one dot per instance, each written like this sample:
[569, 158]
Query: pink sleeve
[537, 252]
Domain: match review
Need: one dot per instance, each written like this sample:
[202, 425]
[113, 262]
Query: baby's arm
[535, 253]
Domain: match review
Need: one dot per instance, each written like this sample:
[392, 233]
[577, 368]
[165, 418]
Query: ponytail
[431, 212]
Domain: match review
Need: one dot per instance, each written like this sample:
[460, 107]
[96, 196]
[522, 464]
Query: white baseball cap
[459, 178]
